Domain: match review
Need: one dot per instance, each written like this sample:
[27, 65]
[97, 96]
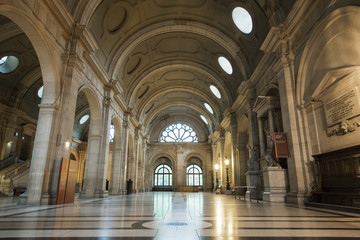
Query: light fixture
[216, 177]
[227, 173]
[67, 144]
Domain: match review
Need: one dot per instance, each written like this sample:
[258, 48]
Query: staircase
[12, 176]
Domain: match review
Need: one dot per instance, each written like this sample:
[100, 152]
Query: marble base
[101, 194]
[252, 179]
[23, 198]
[275, 184]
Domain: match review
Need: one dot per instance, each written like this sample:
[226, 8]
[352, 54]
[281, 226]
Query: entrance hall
[175, 215]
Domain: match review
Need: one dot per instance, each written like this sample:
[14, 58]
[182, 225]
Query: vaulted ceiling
[165, 53]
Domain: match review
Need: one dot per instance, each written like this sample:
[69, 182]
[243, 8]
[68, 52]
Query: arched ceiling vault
[175, 95]
[165, 53]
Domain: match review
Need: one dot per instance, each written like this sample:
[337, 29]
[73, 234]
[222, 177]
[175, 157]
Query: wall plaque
[281, 145]
[342, 107]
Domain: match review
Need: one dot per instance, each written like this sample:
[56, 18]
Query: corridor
[174, 215]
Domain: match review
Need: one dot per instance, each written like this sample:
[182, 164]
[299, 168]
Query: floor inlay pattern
[170, 215]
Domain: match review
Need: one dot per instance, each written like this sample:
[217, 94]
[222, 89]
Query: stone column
[181, 168]
[222, 169]
[91, 167]
[100, 190]
[261, 137]
[124, 155]
[64, 128]
[41, 157]
[116, 167]
[252, 175]
[291, 120]
[8, 145]
[237, 171]
[136, 160]
[82, 162]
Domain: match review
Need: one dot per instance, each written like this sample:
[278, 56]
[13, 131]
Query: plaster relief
[149, 108]
[176, 45]
[178, 75]
[182, 3]
[142, 91]
[114, 19]
[132, 64]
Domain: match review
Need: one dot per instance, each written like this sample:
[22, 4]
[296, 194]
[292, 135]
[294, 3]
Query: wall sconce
[227, 173]
[67, 144]
[216, 174]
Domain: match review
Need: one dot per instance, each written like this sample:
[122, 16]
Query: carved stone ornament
[344, 127]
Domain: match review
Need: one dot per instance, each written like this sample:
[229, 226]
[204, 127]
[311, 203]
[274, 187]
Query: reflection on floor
[170, 215]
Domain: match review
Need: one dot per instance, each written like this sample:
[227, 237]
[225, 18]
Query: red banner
[281, 145]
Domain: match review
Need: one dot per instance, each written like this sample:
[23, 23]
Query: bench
[237, 190]
[19, 190]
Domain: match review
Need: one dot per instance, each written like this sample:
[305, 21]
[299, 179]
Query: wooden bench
[237, 190]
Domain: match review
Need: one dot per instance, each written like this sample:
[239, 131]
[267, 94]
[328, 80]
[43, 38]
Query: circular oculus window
[40, 92]
[84, 118]
[242, 20]
[215, 91]
[8, 64]
[207, 106]
[225, 65]
[204, 119]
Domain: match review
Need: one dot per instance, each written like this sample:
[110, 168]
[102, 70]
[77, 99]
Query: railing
[20, 169]
[7, 162]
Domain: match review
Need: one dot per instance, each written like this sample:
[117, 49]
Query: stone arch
[74, 155]
[162, 27]
[93, 162]
[44, 51]
[329, 69]
[95, 110]
[326, 51]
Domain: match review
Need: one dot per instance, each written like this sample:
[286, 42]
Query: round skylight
[225, 65]
[40, 92]
[215, 91]
[84, 118]
[242, 20]
[8, 64]
[204, 119]
[207, 106]
[3, 60]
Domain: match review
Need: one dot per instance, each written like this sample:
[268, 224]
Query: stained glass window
[163, 176]
[179, 132]
[194, 175]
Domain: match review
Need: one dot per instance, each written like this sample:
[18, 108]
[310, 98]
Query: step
[334, 207]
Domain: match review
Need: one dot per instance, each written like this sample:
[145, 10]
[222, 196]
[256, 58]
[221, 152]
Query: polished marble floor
[174, 215]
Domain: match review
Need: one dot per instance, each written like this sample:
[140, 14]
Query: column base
[252, 180]
[23, 198]
[47, 199]
[101, 194]
[275, 184]
[298, 198]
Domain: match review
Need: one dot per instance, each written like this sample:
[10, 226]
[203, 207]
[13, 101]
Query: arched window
[194, 175]
[112, 133]
[163, 176]
[179, 132]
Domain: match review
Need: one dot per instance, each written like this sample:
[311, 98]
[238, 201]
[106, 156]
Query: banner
[281, 145]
